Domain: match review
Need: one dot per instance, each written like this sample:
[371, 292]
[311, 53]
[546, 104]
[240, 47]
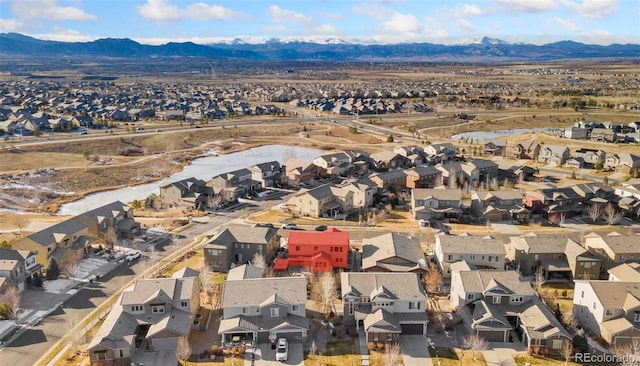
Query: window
[136, 308]
[414, 305]
[121, 353]
[489, 259]
[497, 258]
[450, 257]
[482, 257]
[100, 355]
[471, 296]
[497, 299]
[556, 344]
[245, 310]
[472, 257]
[608, 312]
[275, 312]
[294, 307]
[516, 298]
[594, 305]
[582, 294]
[48, 249]
[636, 317]
[157, 309]
[586, 264]
[390, 337]
[331, 249]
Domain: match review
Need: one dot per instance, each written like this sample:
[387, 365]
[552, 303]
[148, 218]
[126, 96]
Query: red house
[320, 251]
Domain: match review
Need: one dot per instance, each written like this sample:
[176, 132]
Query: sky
[363, 21]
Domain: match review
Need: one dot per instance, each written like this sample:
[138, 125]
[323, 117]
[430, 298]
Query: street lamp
[461, 355]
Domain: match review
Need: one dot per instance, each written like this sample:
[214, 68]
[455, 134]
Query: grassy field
[336, 354]
[455, 357]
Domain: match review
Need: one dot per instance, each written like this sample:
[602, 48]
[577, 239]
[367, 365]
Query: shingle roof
[470, 244]
[254, 291]
[405, 286]
[243, 234]
[613, 294]
[47, 236]
[482, 281]
[391, 245]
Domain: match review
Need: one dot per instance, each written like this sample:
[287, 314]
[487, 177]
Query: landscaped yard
[336, 354]
[455, 357]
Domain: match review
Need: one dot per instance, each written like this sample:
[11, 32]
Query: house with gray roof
[560, 257]
[392, 252]
[609, 309]
[261, 310]
[238, 244]
[553, 154]
[269, 174]
[613, 248]
[190, 193]
[18, 267]
[436, 203]
[149, 316]
[505, 204]
[482, 252]
[384, 304]
[499, 306]
[325, 200]
[625, 272]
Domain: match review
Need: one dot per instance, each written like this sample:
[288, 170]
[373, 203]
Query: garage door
[492, 336]
[411, 328]
[291, 336]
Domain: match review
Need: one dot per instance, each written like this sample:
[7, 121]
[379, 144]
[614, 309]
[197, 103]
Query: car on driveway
[282, 349]
[132, 256]
[290, 226]
[283, 206]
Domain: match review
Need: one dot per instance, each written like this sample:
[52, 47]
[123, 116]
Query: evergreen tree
[53, 270]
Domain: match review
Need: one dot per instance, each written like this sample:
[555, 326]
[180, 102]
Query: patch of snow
[58, 286]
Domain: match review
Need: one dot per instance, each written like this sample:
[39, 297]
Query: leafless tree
[20, 221]
[567, 351]
[612, 215]
[70, 267]
[206, 282]
[594, 211]
[538, 279]
[433, 280]
[110, 237]
[9, 302]
[392, 354]
[326, 290]
[183, 349]
[475, 343]
[259, 260]
[629, 355]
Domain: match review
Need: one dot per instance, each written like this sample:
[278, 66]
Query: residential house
[499, 306]
[481, 252]
[614, 248]
[440, 152]
[269, 174]
[115, 214]
[414, 153]
[384, 304]
[525, 150]
[625, 272]
[189, 193]
[67, 240]
[495, 147]
[334, 164]
[325, 200]
[500, 205]
[574, 163]
[238, 244]
[427, 203]
[298, 171]
[609, 309]
[604, 135]
[423, 177]
[628, 190]
[554, 204]
[622, 162]
[236, 183]
[149, 316]
[591, 157]
[18, 267]
[576, 133]
[363, 190]
[388, 160]
[553, 154]
[320, 251]
[392, 181]
[560, 257]
[261, 310]
[392, 252]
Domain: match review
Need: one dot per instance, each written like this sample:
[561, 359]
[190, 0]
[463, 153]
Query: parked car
[282, 349]
[289, 226]
[283, 206]
[321, 228]
[264, 224]
[133, 255]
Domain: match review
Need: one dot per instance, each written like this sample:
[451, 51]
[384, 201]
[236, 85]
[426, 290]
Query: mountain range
[485, 49]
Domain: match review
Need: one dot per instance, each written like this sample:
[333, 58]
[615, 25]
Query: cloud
[47, 9]
[280, 15]
[566, 24]
[470, 10]
[161, 10]
[11, 25]
[592, 8]
[527, 6]
[392, 21]
[466, 26]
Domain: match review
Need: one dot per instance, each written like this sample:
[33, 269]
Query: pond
[202, 168]
[489, 135]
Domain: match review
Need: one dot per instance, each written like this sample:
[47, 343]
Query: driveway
[501, 354]
[265, 356]
[414, 350]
